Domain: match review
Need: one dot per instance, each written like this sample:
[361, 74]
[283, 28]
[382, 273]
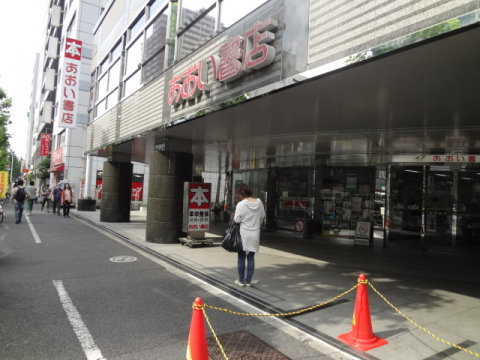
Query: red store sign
[199, 195]
[45, 145]
[70, 83]
[57, 157]
[238, 56]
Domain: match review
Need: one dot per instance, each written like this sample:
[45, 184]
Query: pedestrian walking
[250, 214]
[33, 196]
[46, 194]
[19, 195]
[57, 199]
[67, 197]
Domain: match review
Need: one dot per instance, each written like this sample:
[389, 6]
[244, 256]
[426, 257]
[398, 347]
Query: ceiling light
[440, 175]
[413, 171]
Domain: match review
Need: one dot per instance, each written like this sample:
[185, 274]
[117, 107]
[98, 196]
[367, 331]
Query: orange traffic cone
[197, 340]
[362, 336]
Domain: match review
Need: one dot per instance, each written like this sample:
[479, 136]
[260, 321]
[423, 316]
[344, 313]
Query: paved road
[61, 297]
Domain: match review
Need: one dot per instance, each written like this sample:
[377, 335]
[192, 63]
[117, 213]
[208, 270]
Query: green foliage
[5, 104]
[42, 172]
[218, 208]
[406, 40]
[144, 205]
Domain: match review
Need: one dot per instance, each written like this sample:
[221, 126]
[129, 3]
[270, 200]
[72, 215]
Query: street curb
[251, 300]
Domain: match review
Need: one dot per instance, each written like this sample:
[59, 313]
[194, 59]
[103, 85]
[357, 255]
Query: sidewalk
[439, 291]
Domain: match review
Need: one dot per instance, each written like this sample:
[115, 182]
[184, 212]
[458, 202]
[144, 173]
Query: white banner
[436, 158]
[69, 85]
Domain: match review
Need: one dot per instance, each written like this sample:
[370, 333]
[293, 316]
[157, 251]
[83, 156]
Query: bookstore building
[330, 119]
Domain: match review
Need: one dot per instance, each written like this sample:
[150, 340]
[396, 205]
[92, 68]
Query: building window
[117, 50]
[132, 84]
[71, 26]
[134, 56]
[155, 5]
[155, 39]
[231, 12]
[201, 31]
[136, 27]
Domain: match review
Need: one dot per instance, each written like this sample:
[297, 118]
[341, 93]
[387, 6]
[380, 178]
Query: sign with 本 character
[198, 213]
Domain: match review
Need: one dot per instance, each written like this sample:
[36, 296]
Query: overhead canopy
[419, 98]
[57, 168]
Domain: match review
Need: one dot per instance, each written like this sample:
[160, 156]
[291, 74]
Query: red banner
[45, 145]
[57, 157]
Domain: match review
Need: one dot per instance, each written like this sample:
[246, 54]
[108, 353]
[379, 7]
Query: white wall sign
[70, 82]
[465, 158]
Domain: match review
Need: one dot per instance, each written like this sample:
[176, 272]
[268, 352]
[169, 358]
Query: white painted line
[34, 232]
[83, 335]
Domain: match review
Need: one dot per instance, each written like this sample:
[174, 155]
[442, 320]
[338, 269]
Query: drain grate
[242, 345]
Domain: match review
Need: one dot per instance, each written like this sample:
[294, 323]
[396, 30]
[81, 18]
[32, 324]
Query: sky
[20, 35]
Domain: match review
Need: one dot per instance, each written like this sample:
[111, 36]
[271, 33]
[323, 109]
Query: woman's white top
[250, 215]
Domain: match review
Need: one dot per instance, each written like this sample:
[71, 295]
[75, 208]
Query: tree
[5, 104]
[42, 169]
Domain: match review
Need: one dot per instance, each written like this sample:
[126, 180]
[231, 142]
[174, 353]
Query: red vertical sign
[45, 145]
[199, 195]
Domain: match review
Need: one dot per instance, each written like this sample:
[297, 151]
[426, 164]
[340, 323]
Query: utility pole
[11, 168]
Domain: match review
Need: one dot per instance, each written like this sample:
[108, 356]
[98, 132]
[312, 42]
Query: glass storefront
[347, 196]
[451, 200]
[294, 196]
[428, 207]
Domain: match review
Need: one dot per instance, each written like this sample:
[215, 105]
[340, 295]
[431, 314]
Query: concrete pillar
[168, 171]
[116, 191]
[88, 177]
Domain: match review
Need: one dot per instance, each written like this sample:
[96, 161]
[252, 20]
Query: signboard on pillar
[69, 84]
[45, 145]
[197, 207]
[57, 157]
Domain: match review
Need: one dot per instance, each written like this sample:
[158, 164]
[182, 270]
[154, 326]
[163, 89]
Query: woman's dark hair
[245, 191]
[65, 187]
[32, 182]
[19, 182]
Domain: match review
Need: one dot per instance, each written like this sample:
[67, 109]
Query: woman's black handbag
[233, 240]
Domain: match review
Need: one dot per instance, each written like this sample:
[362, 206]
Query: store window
[347, 197]
[294, 196]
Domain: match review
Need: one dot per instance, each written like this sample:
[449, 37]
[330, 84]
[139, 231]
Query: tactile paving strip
[242, 345]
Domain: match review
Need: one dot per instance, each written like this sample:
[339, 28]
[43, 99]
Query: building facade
[334, 112]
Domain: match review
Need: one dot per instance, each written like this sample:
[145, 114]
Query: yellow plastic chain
[422, 328]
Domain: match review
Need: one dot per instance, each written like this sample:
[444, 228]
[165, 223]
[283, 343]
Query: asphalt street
[62, 297]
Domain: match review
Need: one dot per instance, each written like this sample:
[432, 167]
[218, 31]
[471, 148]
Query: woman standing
[250, 214]
[33, 195]
[67, 197]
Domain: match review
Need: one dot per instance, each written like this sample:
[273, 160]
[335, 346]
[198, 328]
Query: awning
[57, 168]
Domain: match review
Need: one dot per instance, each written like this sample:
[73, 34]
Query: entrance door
[405, 215]
[440, 191]
[451, 199]
[468, 219]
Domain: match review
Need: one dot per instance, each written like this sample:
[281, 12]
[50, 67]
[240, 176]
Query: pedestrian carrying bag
[232, 241]
[20, 195]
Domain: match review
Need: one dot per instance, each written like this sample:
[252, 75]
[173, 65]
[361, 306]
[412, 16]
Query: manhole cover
[123, 258]
[243, 345]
